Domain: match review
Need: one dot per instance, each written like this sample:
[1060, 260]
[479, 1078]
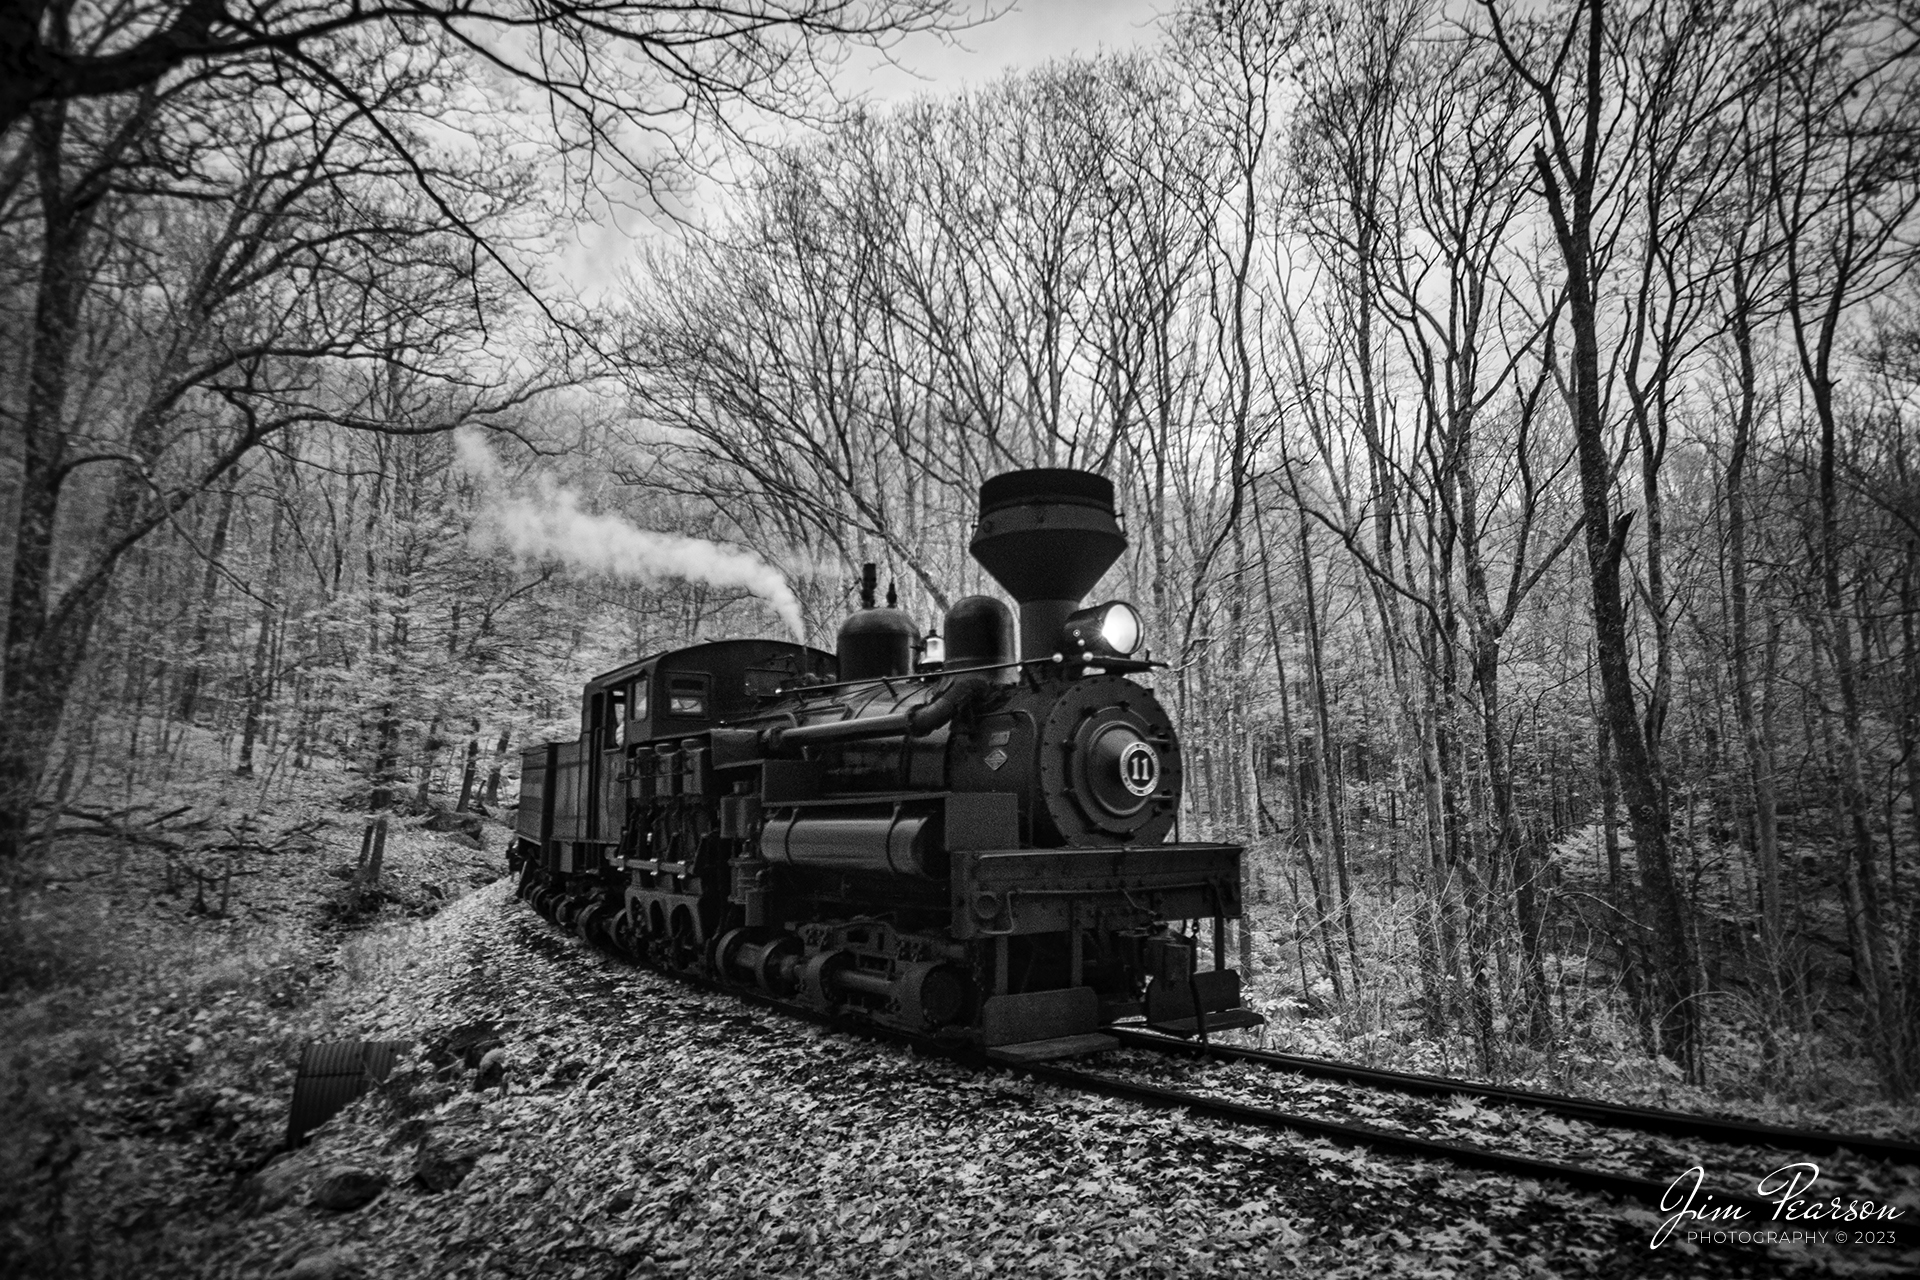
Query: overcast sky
[1029, 33]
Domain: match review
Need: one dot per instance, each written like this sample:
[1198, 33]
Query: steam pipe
[916, 723]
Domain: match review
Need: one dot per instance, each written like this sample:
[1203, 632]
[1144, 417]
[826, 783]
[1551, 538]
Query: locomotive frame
[971, 846]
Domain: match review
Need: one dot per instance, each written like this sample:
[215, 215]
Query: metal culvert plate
[333, 1074]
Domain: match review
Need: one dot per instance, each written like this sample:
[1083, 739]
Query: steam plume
[551, 525]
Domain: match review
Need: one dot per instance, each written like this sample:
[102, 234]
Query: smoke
[551, 526]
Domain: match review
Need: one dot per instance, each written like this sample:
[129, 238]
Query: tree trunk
[492, 793]
[1529, 871]
[468, 773]
[429, 755]
[1873, 962]
[1334, 837]
[46, 641]
[1673, 974]
[261, 675]
[1758, 748]
[1301, 834]
[258, 684]
[203, 614]
[386, 750]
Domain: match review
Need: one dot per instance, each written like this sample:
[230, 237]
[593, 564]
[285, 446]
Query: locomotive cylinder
[904, 843]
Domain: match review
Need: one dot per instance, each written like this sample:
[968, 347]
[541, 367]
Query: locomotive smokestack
[1046, 536]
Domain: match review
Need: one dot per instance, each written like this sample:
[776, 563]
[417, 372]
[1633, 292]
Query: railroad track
[1739, 1133]
[1126, 1081]
[1354, 1134]
[1633, 1187]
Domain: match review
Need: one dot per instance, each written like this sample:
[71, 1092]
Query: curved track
[1614, 1115]
[1632, 1187]
[1349, 1134]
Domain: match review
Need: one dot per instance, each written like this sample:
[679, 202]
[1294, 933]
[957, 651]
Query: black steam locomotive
[969, 846]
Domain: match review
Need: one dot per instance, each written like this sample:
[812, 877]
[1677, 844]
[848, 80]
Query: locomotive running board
[1033, 1026]
[1225, 1020]
[1029, 1017]
[1058, 1047]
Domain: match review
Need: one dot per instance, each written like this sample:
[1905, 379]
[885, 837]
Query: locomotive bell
[1046, 535]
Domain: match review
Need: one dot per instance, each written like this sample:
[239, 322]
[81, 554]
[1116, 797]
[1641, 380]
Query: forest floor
[627, 1125]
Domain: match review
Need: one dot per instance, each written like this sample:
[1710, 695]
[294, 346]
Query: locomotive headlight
[1111, 629]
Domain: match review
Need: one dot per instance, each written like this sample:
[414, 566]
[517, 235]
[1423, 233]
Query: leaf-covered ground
[568, 1116]
[631, 1126]
[155, 993]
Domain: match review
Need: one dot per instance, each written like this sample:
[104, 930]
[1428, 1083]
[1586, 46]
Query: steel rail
[1617, 1115]
[1630, 1186]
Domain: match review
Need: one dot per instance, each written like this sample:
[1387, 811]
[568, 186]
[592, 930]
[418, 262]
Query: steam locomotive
[969, 845]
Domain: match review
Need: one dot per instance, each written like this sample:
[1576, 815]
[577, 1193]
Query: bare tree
[608, 65]
[164, 349]
[1584, 160]
[108, 115]
[1845, 122]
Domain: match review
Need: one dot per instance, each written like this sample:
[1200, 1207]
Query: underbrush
[130, 1104]
[151, 1033]
[1774, 1060]
[50, 937]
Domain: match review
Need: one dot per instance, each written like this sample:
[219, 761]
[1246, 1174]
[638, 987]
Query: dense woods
[1511, 409]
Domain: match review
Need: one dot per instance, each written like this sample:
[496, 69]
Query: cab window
[615, 735]
[763, 682]
[687, 695]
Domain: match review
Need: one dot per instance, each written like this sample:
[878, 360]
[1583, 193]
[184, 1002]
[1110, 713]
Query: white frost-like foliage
[549, 525]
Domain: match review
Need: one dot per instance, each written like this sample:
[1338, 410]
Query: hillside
[565, 1115]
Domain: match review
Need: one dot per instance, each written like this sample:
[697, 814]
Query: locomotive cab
[575, 796]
